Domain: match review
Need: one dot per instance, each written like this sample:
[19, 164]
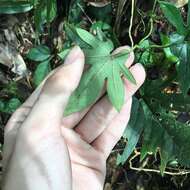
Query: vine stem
[151, 27]
[180, 173]
[90, 20]
[150, 32]
[131, 22]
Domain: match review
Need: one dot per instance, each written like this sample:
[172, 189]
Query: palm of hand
[83, 140]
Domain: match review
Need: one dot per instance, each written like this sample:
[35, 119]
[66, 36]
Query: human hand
[45, 150]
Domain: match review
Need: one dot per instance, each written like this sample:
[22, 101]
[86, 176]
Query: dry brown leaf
[12, 60]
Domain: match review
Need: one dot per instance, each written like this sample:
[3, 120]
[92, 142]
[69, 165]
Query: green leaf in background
[145, 57]
[104, 66]
[162, 132]
[76, 11]
[51, 10]
[188, 15]
[173, 15]
[2, 105]
[101, 13]
[41, 72]
[156, 137]
[39, 17]
[44, 12]
[169, 55]
[9, 106]
[39, 53]
[133, 131]
[13, 7]
[182, 52]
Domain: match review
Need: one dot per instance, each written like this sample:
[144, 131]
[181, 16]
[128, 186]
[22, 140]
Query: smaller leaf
[41, 72]
[39, 53]
[174, 17]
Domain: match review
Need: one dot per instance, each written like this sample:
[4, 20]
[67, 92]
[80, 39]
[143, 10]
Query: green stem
[151, 27]
[154, 6]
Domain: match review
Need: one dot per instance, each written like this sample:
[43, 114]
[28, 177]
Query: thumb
[46, 114]
[66, 79]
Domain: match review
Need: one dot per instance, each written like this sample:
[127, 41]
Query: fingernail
[75, 54]
[141, 69]
[140, 66]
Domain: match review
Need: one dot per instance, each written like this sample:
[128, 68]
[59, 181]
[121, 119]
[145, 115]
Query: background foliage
[157, 137]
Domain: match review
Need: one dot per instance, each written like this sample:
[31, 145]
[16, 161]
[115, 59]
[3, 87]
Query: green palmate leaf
[133, 131]
[173, 15]
[13, 7]
[41, 72]
[104, 66]
[89, 89]
[39, 53]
